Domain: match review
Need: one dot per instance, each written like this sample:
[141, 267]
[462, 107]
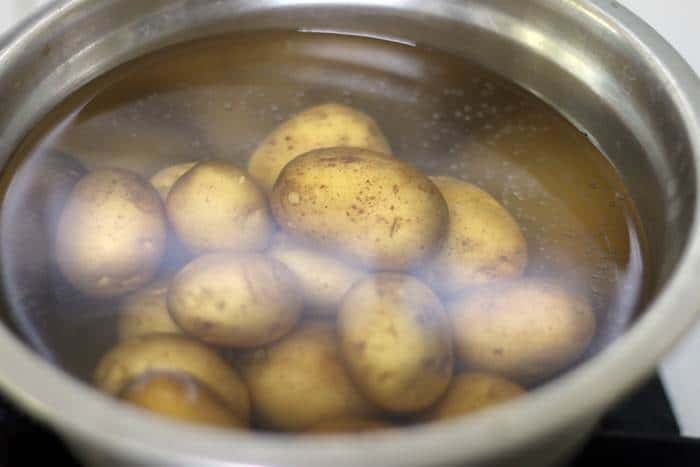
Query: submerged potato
[323, 278]
[348, 425]
[136, 357]
[182, 397]
[165, 178]
[376, 210]
[470, 392]
[323, 126]
[145, 312]
[300, 381]
[525, 330]
[395, 339]
[216, 206]
[483, 242]
[235, 300]
[111, 233]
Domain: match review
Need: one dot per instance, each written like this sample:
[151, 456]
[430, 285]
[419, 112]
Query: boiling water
[219, 98]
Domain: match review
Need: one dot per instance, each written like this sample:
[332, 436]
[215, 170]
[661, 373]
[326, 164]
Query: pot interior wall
[627, 111]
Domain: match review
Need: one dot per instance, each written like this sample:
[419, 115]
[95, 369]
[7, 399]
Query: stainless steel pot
[598, 64]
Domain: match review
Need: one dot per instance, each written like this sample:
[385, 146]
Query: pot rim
[80, 412]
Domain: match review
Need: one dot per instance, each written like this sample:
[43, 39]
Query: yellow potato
[483, 242]
[235, 300]
[567, 199]
[182, 397]
[300, 381]
[395, 339]
[111, 233]
[165, 178]
[145, 312]
[136, 357]
[323, 278]
[377, 210]
[348, 425]
[216, 206]
[324, 126]
[470, 392]
[526, 330]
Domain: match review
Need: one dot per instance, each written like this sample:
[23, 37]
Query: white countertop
[677, 21]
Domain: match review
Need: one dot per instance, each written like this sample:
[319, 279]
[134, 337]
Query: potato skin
[526, 330]
[396, 341]
[300, 380]
[165, 178]
[324, 126]
[323, 279]
[235, 300]
[181, 397]
[378, 211]
[483, 242]
[216, 206]
[348, 425]
[111, 233]
[473, 391]
[145, 312]
[136, 357]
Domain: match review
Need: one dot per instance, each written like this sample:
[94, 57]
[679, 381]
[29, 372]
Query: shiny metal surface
[598, 64]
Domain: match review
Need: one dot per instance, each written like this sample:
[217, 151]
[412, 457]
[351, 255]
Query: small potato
[324, 280]
[483, 242]
[348, 425]
[145, 312]
[165, 178]
[111, 233]
[300, 381]
[395, 339]
[526, 330]
[324, 126]
[136, 357]
[470, 392]
[376, 210]
[182, 397]
[235, 300]
[216, 206]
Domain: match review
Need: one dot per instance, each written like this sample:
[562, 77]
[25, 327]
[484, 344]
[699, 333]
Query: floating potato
[216, 206]
[182, 397]
[135, 357]
[165, 178]
[376, 210]
[526, 330]
[235, 300]
[470, 392]
[111, 233]
[324, 126]
[483, 242]
[300, 381]
[395, 339]
[348, 425]
[145, 312]
[323, 279]
[567, 199]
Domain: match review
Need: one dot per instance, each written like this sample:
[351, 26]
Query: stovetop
[642, 431]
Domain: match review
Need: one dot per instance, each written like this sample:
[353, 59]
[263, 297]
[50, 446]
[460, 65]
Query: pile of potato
[330, 287]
